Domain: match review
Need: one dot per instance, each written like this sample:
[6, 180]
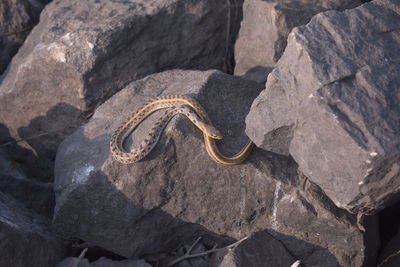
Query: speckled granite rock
[332, 103]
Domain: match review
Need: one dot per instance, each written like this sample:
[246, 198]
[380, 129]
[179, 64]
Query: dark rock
[32, 194]
[17, 18]
[102, 262]
[10, 167]
[260, 249]
[82, 52]
[26, 239]
[178, 193]
[266, 26]
[332, 103]
[203, 261]
[390, 255]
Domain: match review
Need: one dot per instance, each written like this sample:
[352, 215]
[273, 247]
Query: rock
[178, 193]
[17, 18]
[103, 262]
[10, 167]
[390, 256]
[260, 249]
[203, 261]
[68, 262]
[26, 239]
[266, 26]
[32, 194]
[331, 103]
[82, 52]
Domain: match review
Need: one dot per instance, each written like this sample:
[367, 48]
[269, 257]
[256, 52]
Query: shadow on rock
[117, 214]
[40, 140]
[92, 208]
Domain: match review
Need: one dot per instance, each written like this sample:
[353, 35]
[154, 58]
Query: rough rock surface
[17, 18]
[102, 262]
[266, 26]
[25, 238]
[332, 102]
[178, 193]
[34, 195]
[82, 52]
[204, 261]
[260, 249]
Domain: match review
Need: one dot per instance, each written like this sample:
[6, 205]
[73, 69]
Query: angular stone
[32, 194]
[82, 52]
[332, 103]
[25, 237]
[178, 193]
[266, 26]
[17, 18]
[260, 249]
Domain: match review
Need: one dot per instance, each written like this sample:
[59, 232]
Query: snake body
[173, 105]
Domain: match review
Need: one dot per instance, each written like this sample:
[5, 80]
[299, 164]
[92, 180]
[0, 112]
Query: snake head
[212, 132]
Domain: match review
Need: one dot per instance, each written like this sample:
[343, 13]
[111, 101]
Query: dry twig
[76, 262]
[388, 258]
[296, 264]
[214, 249]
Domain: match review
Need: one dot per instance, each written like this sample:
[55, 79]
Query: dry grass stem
[214, 249]
[296, 264]
[76, 262]
[388, 258]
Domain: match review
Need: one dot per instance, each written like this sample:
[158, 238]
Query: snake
[173, 105]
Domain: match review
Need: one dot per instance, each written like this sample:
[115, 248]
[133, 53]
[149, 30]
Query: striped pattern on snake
[174, 104]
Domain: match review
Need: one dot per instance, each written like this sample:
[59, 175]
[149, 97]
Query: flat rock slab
[178, 193]
[266, 26]
[26, 239]
[82, 52]
[332, 103]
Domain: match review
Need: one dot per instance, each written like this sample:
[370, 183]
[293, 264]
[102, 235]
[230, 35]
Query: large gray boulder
[332, 104]
[178, 192]
[82, 52]
[17, 18]
[266, 26]
[26, 239]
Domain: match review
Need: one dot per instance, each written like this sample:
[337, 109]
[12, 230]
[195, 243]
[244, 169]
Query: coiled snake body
[173, 105]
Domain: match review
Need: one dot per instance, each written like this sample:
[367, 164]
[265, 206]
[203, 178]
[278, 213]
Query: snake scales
[173, 105]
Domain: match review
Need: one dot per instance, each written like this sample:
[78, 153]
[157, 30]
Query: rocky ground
[314, 84]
